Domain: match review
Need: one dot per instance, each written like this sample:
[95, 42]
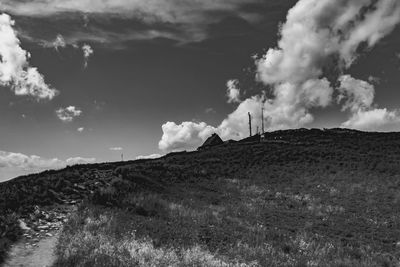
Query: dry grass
[315, 200]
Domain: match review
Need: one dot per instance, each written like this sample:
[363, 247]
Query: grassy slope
[316, 199]
[307, 198]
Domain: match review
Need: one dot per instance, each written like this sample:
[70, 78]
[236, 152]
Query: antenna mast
[262, 119]
[250, 124]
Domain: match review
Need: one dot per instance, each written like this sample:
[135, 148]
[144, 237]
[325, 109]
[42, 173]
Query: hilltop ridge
[341, 185]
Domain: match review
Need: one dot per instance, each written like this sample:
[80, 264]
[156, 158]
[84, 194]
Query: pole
[250, 124]
[262, 119]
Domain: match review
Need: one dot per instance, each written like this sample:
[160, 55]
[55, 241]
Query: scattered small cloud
[152, 156]
[210, 111]
[233, 91]
[68, 114]
[15, 71]
[373, 79]
[87, 52]
[116, 148]
[80, 129]
[59, 42]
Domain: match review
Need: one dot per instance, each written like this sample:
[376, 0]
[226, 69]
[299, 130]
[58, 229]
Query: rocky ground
[43, 222]
[40, 230]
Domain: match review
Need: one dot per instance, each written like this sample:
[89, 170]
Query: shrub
[9, 233]
[106, 196]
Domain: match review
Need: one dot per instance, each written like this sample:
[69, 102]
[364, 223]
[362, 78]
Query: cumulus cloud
[18, 164]
[116, 148]
[15, 71]
[68, 114]
[10, 159]
[358, 94]
[317, 35]
[319, 41]
[87, 52]
[80, 129]
[152, 156]
[233, 91]
[374, 120]
[359, 97]
[187, 135]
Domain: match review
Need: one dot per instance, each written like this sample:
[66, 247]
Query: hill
[300, 198]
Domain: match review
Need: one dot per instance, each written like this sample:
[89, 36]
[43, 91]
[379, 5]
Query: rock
[80, 187]
[48, 234]
[23, 225]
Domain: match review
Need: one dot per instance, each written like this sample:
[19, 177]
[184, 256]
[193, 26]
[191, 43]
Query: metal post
[250, 124]
[262, 119]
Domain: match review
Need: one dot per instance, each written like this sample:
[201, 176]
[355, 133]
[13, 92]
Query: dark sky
[146, 69]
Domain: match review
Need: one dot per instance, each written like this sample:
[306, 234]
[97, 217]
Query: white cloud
[152, 156]
[80, 129]
[318, 36]
[116, 148]
[79, 160]
[87, 52]
[359, 97]
[374, 120]
[12, 164]
[10, 159]
[373, 79]
[210, 111]
[316, 32]
[173, 11]
[187, 135]
[359, 94]
[15, 71]
[189, 18]
[68, 114]
[58, 42]
[233, 91]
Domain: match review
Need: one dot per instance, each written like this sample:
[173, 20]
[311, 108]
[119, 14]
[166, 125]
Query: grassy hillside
[302, 198]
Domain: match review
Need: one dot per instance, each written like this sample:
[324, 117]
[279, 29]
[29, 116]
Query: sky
[86, 81]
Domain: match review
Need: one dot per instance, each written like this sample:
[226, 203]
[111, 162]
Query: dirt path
[38, 254]
[41, 230]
